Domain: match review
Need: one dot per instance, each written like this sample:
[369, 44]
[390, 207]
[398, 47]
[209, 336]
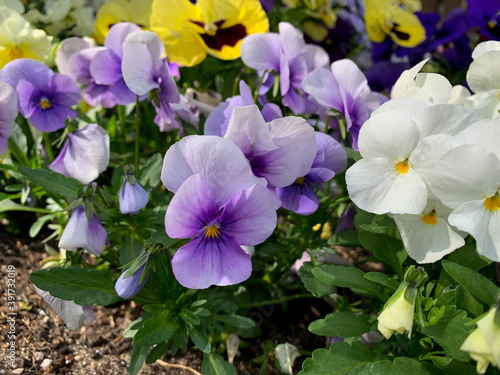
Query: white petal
[483, 47]
[459, 95]
[485, 133]
[411, 106]
[406, 82]
[466, 173]
[67, 49]
[486, 104]
[481, 76]
[375, 186]
[435, 85]
[388, 134]
[445, 119]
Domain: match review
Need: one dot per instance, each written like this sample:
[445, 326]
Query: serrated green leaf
[137, 358]
[343, 324]
[157, 352]
[237, 321]
[214, 364]
[189, 317]
[386, 248]
[317, 287]
[200, 339]
[347, 238]
[52, 181]
[400, 365]
[450, 331]
[156, 329]
[476, 284]
[77, 284]
[347, 277]
[341, 358]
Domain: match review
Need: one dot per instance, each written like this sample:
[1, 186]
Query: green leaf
[347, 277]
[476, 284]
[343, 324]
[214, 364]
[161, 237]
[386, 248]
[382, 279]
[157, 352]
[130, 250]
[400, 365]
[38, 225]
[317, 287]
[155, 330]
[466, 301]
[77, 284]
[180, 339]
[348, 238]
[136, 264]
[341, 358]
[237, 321]
[151, 172]
[189, 317]
[468, 256]
[450, 331]
[200, 339]
[139, 354]
[52, 181]
[351, 154]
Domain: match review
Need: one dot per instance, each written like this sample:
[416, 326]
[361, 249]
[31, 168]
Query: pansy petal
[209, 261]
[323, 88]
[64, 90]
[271, 111]
[28, 69]
[375, 186]
[483, 47]
[262, 51]
[487, 104]
[445, 119]
[79, 65]
[485, 133]
[315, 57]
[435, 85]
[106, 68]
[27, 97]
[330, 159]
[292, 39]
[412, 107]
[191, 209]
[250, 217]
[480, 76]
[51, 119]
[299, 198]
[67, 49]
[137, 68]
[117, 35]
[349, 76]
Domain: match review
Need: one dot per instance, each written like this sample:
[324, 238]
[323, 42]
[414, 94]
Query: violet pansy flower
[84, 155]
[82, 233]
[128, 287]
[279, 151]
[287, 54]
[330, 160]
[145, 70]
[44, 97]
[106, 65]
[345, 89]
[218, 119]
[8, 113]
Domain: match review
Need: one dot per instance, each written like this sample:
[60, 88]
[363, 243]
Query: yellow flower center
[402, 167]
[45, 103]
[212, 231]
[16, 53]
[211, 29]
[430, 218]
[492, 203]
[300, 181]
[492, 24]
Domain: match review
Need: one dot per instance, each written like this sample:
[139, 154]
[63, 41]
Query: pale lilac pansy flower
[132, 197]
[218, 203]
[44, 97]
[330, 160]
[128, 287]
[84, 234]
[280, 151]
[73, 315]
[217, 121]
[106, 65]
[145, 70]
[84, 155]
[343, 88]
[8, 113]
[287, 54]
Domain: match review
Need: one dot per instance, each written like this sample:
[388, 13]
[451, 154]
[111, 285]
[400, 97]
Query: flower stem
[137, 130]
[48, 146]
[256, 94]
[274, 301]
[327, 122]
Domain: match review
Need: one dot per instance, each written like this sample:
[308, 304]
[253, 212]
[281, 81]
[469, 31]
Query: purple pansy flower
[8, 113]
[330, 159]
[288, 55]
[485, 14]
[106, 65]
[279, 151]
[44, 97]
[128, 287]
[217, 121]
[220, 204]
[84, 155]
[82, 233]
[132, 197]
[145, 70]
[345, 89]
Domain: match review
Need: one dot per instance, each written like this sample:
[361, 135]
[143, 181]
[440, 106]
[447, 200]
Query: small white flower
[397, 315]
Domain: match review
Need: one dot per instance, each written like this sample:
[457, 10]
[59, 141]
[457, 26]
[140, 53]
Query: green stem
[313, 258]
[274, 301]
[327, 122]
[48, 146]
[256, 93]
[137, 133]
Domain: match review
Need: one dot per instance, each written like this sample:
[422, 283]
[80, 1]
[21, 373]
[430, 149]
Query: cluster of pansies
[183, 144]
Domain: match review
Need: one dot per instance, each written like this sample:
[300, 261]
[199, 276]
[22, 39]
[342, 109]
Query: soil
[44, 345]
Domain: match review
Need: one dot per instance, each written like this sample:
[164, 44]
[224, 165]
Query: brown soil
[44, 345]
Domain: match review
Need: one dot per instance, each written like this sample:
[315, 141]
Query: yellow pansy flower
[19, 40]
[323, 17]
[216, 27]
[115, 11]
[389, 17]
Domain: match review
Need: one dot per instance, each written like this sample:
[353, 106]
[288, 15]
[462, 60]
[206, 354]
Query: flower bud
[397, 315]
[483, 344]
[128, 287]
[132, 196]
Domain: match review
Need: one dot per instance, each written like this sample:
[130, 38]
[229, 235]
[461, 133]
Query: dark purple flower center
[401, 35]
[216, 37]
